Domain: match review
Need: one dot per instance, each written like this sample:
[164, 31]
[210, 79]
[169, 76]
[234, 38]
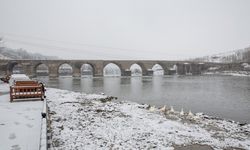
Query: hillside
[8, 53]
[241, 55]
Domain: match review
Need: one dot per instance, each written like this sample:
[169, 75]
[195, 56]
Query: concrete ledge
[43, 135]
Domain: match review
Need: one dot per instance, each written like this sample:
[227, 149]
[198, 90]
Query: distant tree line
[9, 53]
[246, 54]
[241, 55]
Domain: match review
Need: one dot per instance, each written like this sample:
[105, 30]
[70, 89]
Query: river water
[221, 96]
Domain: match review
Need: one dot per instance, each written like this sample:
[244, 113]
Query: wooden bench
[27, 89]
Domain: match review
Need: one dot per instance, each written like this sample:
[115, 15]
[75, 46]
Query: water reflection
[112, 85]
[87, 85]
[157, 82]
[65, 83]
[136, 87]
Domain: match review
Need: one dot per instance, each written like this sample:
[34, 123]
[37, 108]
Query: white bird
[190, 113]
[171, 109]
[102, 93]
[182, 112]
[163, 109]
[152, 108]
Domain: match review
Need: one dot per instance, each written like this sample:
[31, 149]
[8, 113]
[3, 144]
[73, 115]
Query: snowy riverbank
[81, 121]
[229, 73]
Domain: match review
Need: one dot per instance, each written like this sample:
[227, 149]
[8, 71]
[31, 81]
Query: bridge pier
[187, 68]
[127, 72]
[150, 72]
[98, 69]
[202, 67]
[181, 69]
[76, 71]
[196, 69]
[53, 70]
[29, 70]
[170, 72]
[3, 70]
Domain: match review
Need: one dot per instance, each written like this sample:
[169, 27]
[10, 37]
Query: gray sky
[126, 29]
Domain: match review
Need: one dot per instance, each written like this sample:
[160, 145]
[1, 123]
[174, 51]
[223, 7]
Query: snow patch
[229, 73]
[4, 87]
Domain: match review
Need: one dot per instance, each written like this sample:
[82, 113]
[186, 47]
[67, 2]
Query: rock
[99, 110]
[57, 119]
[52, 112]
[108, 99]
[61, 127]
[242, 124]
[79, 110]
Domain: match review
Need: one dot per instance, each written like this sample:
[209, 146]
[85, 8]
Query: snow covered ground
[245, 72]
[229, 73]
[20, 124]
[81, 121]
[4, 87]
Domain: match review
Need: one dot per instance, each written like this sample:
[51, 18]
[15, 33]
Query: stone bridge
[30, 66]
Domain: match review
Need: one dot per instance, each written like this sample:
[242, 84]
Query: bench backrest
[26, 83]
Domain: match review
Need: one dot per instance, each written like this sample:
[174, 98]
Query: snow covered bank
[81, 121]
[229, 73]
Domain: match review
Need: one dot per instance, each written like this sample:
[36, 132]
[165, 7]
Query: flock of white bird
[171, 110]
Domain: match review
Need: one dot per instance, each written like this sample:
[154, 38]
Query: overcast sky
[125, 29]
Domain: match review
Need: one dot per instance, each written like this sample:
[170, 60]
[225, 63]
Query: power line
[54, 47]
[94, 53]
[86, 45]
[68, 42]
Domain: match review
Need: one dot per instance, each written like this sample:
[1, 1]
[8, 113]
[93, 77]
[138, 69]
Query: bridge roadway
[30, 66]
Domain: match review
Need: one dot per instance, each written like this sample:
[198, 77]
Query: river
[221, 96]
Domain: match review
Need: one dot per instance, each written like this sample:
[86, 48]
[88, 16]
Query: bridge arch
[158, 70]
[65, 69]
[136, 70]
[41, 69]
[143, 67]
[87, 69]
[15, 67]
[112, 69]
